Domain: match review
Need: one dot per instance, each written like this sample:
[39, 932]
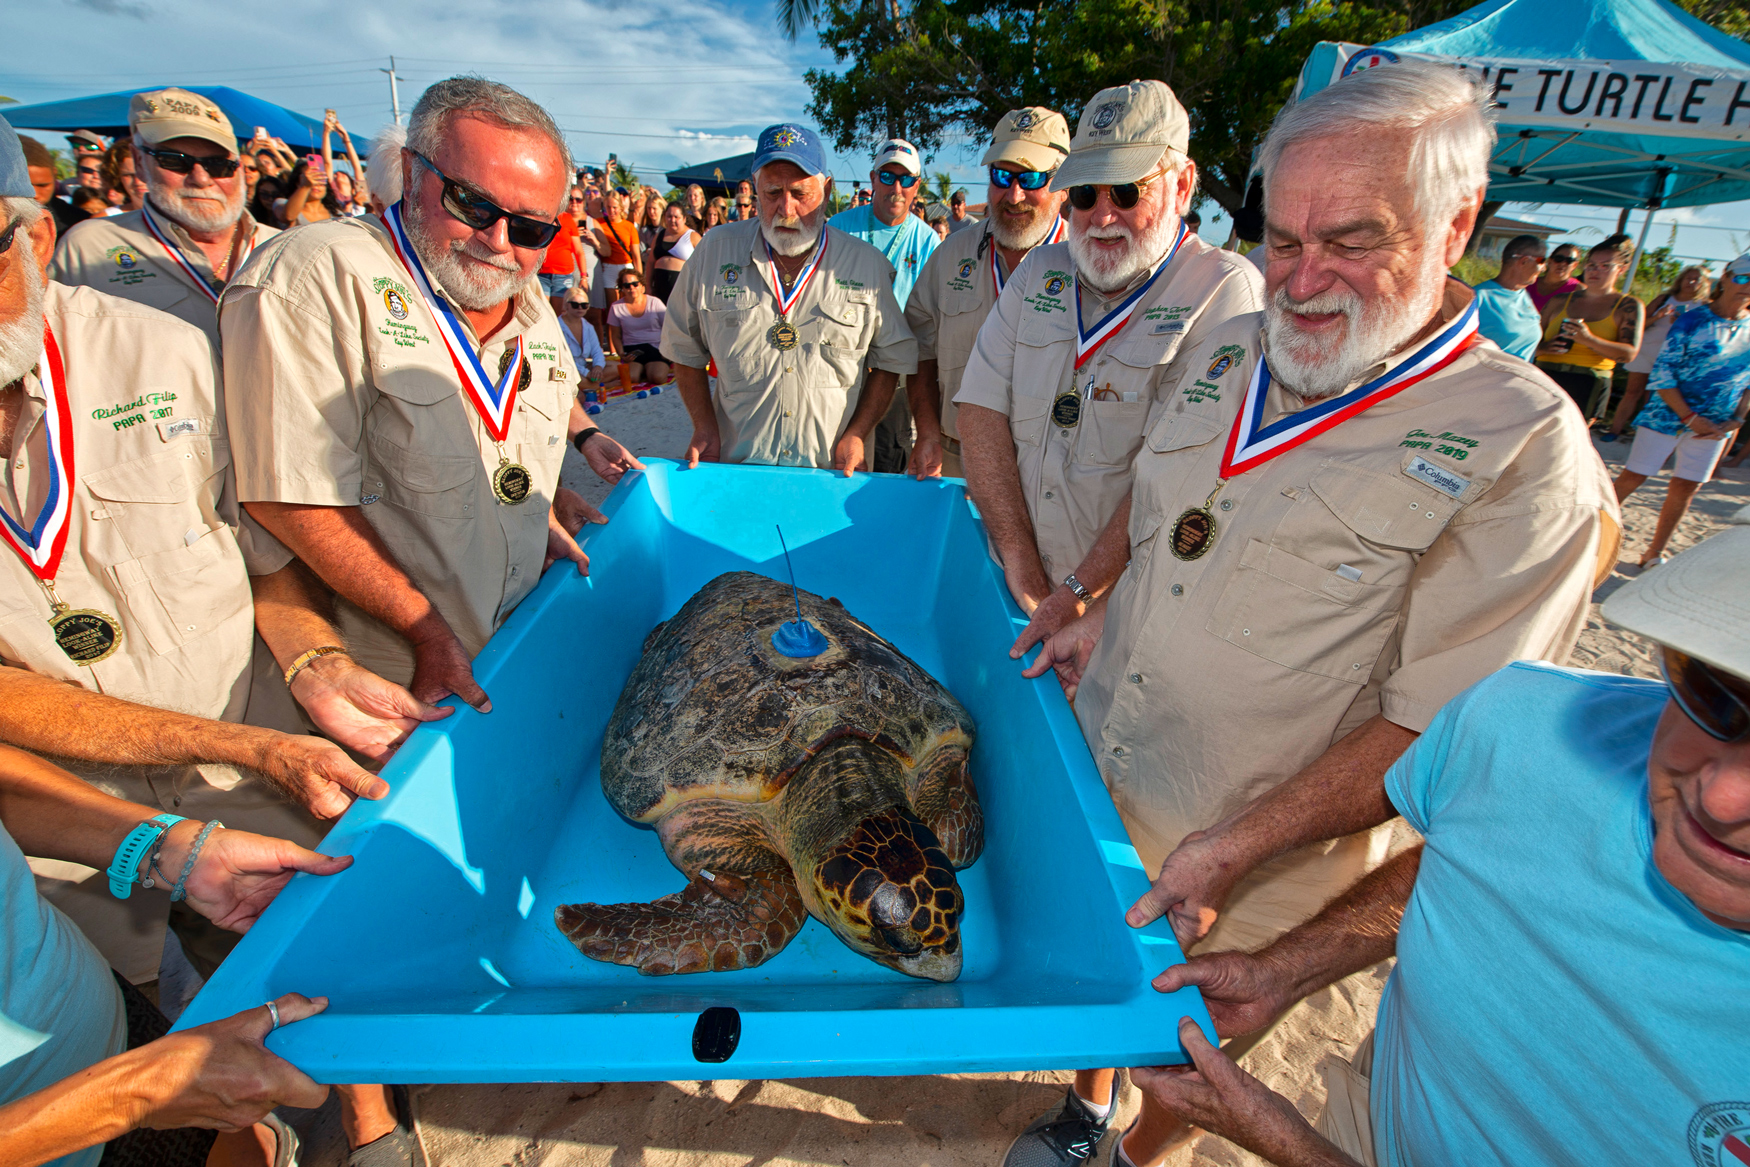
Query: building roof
[1502, 225]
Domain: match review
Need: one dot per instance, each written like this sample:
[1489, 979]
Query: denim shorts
[558, 283]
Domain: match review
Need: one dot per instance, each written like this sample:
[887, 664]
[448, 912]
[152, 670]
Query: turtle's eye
[902, 940]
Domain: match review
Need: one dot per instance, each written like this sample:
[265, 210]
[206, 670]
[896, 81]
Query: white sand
[946, 1121]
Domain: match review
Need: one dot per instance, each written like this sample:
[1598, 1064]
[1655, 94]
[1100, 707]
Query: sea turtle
[835, 785]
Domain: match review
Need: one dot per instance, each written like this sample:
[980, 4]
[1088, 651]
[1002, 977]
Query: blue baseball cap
[789, 142]
[14, 173]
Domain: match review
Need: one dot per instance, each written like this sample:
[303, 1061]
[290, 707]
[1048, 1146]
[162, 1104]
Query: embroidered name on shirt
[541, 350]
[1445, 481]
[1445, 442]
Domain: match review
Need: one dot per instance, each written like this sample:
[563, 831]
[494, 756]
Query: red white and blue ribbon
[785, 303]
[997, 277]
[40, 545]
[181, 260]
[1089, 340]
[1250, 444]
[495, 400]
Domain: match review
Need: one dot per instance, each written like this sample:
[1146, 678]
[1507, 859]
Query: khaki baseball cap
[157, 117]
[1696, 603]
[1034, 138]
[1123, 133]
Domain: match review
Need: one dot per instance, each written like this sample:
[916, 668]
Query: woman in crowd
[1691, 290]
[1586, 332]
[90, 201]
[1557, 278]
[650, 222]
[669, 251]
[580, 338]
[635, 330]
[126, 190]
[353, 191]
[310, 201]
[562, 265]
[695, 207]
[716, 213]
[616, 245]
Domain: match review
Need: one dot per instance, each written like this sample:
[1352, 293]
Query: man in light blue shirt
[1505, 312]
[1574, 955]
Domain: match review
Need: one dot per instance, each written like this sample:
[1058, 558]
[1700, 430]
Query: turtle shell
[712, 710]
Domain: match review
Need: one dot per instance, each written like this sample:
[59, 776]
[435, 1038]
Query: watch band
[583, 436]
[309, 658]
[126, 865]
[1075, 585]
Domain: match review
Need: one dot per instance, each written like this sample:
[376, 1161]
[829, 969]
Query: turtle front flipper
[719, 922]
[942, 793]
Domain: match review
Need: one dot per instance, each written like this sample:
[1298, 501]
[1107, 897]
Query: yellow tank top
[1580, 354]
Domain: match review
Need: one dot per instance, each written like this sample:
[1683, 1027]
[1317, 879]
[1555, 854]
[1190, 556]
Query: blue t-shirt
[906, 245]
[1707, 359]
[1508, 318]
[1555, 999]
[60, 1010]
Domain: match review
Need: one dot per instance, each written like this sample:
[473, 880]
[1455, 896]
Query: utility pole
[394, 92]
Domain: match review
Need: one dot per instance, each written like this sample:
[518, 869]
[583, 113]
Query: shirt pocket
[734, 338]
[441, 486]
[843, 326]
[1029, 419]
[155, 502]
[178, 596]
[1111, 432]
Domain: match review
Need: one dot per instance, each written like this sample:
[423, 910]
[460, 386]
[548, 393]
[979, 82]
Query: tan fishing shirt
[1380, 568]
[1074, 478]
[952, 296]
[341, 393]
[119, 255]
[785, 407]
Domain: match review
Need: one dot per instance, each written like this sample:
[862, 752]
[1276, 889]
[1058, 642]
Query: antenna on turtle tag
[796, 638]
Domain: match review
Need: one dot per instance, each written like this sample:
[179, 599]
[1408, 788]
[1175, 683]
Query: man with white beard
[1086, 337]
[963, 277]
[399, 390]
[793, 312]
[177, 252]
[1349, 510]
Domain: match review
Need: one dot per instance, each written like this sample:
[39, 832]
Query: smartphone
[314, 162]
[261, 133]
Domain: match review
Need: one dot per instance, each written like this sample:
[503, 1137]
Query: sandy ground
[945, 1121]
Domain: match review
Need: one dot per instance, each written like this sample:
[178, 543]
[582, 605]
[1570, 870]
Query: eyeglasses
[888, 178]
[1704, 697]
[1124, 195]
[1739, 277]
[1564, 259]
[630, 286]
[575, 199]
[744, 206]
[480, 212]
[176, 162]
[6, 237]
[1025, 179]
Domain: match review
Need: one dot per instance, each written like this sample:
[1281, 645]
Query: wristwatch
[583, 436]
[1075, 585]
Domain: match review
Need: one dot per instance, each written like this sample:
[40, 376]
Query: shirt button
[786, 413]
[1136, 678]
[1048, 494]
[1430, 513]
[1178, 589]
[191, 629]
[1227, 504]
[1245, 632]
[1118, 751]
[1065, 433]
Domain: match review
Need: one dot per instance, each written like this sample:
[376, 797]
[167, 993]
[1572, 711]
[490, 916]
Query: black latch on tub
[716, 1034]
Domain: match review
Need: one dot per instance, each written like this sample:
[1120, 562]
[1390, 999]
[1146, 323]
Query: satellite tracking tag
[796, 638]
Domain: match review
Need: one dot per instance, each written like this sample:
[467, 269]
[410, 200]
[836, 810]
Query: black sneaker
[1068, 1137]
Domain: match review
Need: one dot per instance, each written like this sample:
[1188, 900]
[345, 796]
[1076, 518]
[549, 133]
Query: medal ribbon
[1089, 340]
[785, 303]
[1249, 444]
[996, 269]
[493, 401]
[193, 273]
[41, 545]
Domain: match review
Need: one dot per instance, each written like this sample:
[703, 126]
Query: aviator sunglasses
[176, 162]
[480, 212]
[1124, 195]
[888, 178]
[1705, 697]
[1025, 179]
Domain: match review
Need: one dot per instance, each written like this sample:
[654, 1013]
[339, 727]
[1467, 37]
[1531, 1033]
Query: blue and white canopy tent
[107, 113]
[1616, 103]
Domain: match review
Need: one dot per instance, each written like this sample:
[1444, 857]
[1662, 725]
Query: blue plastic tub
[438, 948]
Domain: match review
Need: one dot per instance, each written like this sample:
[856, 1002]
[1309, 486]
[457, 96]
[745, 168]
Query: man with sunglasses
[1506, 314]
[1572, 942]
[177, 252]
[1087, 337]
[962, 279]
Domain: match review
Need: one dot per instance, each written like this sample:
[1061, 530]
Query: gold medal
[781, 336]
[1194, 531]
[512, 482]
[1066, 409]
[524, 378]
[85, 634]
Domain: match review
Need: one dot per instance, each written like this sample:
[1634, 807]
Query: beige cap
[899, 152]
[1034, 138]
[1697, 603]
[1123, 133]
[157, 117]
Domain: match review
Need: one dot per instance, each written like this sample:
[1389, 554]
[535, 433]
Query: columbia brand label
[1445, 481]
[1167, 327]
[181, 427]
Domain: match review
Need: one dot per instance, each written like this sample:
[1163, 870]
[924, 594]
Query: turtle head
[887, 889]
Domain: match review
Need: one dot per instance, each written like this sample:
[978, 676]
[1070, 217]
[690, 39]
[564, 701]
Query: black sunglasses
[888, 178]
[1564, 259]
[176, 162]
[630, 286]
[1124, 195]
[1704, 697]
[480, 212]
[1025, 179]
[6, 237]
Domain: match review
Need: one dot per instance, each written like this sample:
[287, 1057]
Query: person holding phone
[351, 195]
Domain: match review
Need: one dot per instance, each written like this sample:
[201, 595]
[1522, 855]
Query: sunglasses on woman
[888, 178]
[176, 162]
[1705, 697]
[480, 212]
[1124, 195]
[629, 287]
[1025, 179]
[1564, 259]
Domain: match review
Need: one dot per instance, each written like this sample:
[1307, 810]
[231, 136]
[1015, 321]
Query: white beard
[1315, 369]
[1025, 235]
[210, 211]
[1104, 272]
[800, 234]
[474, 279]
[21, 338]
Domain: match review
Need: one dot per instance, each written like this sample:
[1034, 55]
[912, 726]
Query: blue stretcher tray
[438, 950]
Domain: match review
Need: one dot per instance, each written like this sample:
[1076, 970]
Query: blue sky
[659, 82]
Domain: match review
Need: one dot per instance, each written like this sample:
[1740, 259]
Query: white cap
[901, 152]
[1697, 603]
[1739, 266]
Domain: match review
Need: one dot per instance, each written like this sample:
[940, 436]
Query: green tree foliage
[1731, 17]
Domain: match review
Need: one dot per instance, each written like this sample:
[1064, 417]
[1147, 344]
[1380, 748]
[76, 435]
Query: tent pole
[1634, 262]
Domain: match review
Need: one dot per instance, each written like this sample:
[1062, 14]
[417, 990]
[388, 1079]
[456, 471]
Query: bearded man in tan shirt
[1325, 546]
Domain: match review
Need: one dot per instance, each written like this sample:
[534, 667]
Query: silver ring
[273, 1011]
